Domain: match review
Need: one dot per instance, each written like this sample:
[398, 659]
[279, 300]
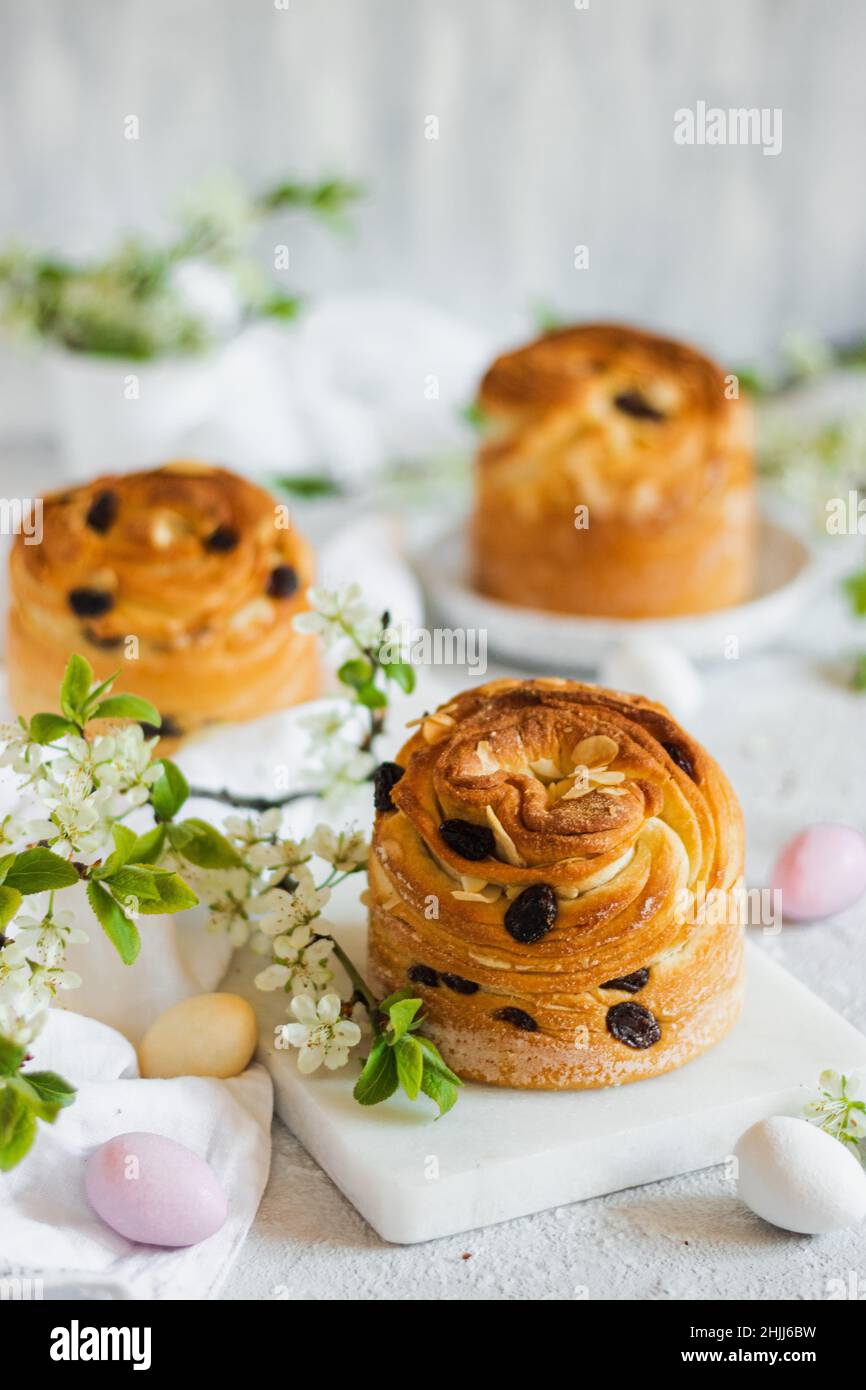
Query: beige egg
[207, 1035]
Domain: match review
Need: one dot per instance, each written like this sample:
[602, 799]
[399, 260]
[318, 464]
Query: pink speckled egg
[153, 1190]
[821, 871]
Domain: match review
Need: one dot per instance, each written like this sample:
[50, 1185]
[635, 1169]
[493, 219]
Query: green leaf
[170, 791]
[77, 680]
[127, 707]
[203, 845]
[371, 696]
[52, 1090]
[403, 993]
[433, 1060]
[134, 881]
[378, 1080]
[356, 673]
[122, 933]
[98, 691]
[11, 1057]
[10, 901]
[858, 679]
[45, 728]
[38, 870]
[475, 416]
[148, 847]
[17, 1127]
[310, 485]
[402, 673]
[6, 864]
[173, 895]
[410, 1066]
[124, 842]
[855, 588]
[401, 1015]
[438, 1088]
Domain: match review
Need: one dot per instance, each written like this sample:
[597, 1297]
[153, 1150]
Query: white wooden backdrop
[555, 128]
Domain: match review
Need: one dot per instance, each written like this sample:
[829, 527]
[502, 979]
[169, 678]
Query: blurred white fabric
[360, 381]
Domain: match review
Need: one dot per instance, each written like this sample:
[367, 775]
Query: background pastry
[556, 869]
[185, 578]
[640, 431]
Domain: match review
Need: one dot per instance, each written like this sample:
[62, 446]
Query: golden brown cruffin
[557, 871]
[184, 578]
[615, 478]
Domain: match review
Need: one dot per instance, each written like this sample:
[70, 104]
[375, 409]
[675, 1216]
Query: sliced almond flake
[596, 751]
[577, 791]
[545, 769]
[504, 842]
[489, 895]
[486, 758]
[471, 884]
[567, 894]
[606, 778]
[490, 961]
[613, 791]
[436, 727]
[390, 902]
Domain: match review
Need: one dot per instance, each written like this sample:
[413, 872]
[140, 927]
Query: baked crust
[638, 430]
[181, 558]
[643, 849]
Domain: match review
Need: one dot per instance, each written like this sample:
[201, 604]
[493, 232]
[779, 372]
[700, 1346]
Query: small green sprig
[401, 1058]
[25, 1098]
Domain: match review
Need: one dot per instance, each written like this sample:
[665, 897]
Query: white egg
[799, 1178]
[644, 666]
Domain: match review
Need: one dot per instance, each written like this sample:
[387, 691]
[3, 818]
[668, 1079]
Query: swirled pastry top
[183, 554]
[598, 796]
[634, 425]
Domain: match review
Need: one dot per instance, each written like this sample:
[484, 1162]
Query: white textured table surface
[793, 740]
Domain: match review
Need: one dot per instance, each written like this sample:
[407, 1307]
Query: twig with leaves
[256, 884]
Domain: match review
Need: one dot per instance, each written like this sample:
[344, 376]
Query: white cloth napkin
[48, 1230]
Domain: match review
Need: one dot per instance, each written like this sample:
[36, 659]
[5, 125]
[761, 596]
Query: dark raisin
[169, 728]
[90, 603]
[633, 1025]
[385, 778]
[105, 643]
[283, 582]
[532, 914]
[518, 1018]
[469, 840]
[637, 405]
[681, 758]
[423, 975]
[224, 538]
[632, 983]
[459, 985]
[102, 513]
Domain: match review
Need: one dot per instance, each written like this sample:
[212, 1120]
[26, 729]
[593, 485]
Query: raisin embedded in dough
[532, 914]
[385, 778]
[90, 603]
[423, 975]
[518, 1018]
[632, 983]
[633, 1025]
[467, 839]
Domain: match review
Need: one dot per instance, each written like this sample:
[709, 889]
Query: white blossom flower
[346, 850]
[19, 753]
[288, 909]
[840, 1109]
[283, 855]
[301, 963]
[320, 1033]
[245, 831]
[339, 614]
[44, 939]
